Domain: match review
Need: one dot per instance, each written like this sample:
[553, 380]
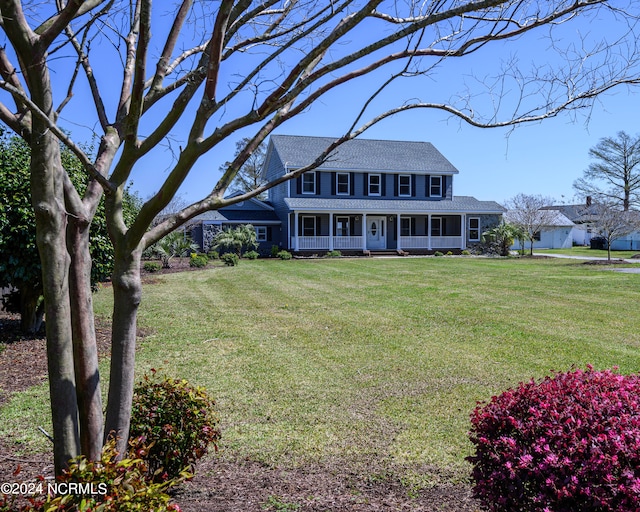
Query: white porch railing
[414, 242]
[446, 242]
[307, 243]
[347, 242]
[437, 242]
[311, 242]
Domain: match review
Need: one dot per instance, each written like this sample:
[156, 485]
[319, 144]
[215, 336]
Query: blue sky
[495, 164]
[544, 158]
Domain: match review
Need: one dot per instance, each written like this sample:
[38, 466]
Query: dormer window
[374, 184]
[435, 186]
[404, 185]
[343, 185]
[309, 183]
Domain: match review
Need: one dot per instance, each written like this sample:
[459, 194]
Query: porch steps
[388, 252]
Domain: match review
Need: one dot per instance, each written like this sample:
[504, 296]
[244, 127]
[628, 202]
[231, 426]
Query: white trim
[348, 192]
[314, 177]
[431, 178]
[400, 176]
[262, 229]
[469, 228]
[315, 224]
[379, 193]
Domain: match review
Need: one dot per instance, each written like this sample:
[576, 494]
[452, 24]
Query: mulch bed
[222, 484]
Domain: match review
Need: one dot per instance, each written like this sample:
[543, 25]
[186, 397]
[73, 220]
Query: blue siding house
[368, 196]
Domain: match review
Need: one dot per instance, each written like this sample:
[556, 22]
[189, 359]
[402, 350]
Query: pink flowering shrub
[568, 443]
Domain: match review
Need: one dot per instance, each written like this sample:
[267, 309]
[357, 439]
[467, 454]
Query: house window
[435, 186]
[375, 181]
[309, 183]
[407, 226]
[474, 229]
[537, 236]
[308, 226]
[343, 184]
[404, 185]
[261, 233]
[436, 226]
[342, 226]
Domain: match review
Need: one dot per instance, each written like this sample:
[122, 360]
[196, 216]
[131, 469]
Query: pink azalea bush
[570, 442]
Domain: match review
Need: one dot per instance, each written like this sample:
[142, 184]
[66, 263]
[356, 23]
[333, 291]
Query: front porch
[371, 232]
[354, 243]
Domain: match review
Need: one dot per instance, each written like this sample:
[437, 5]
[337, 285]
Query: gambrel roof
[362, 155]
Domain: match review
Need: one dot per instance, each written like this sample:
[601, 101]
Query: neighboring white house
[629, 242]
[557, 234]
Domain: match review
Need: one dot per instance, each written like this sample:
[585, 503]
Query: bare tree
[613, 223]
[216, 71]
[249, 176]
[526, 213]
[614, 175]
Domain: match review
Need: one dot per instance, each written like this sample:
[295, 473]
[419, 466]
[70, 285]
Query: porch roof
[459, 204]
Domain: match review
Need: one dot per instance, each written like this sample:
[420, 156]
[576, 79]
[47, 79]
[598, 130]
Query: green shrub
[198, 260]
[213, 255]
[112, 485]
[230, 259]
[251, 255]
[438, 253]
[465, 253]
[284, 255]
[274, 251]
[177, 421]
[449, 253]
[334, 254]
[151, 266]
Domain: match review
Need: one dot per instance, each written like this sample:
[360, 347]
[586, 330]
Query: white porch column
[398, 231]
[331, 231]
[463, 241]
[364, 231]
[428, 232]
[295, 231]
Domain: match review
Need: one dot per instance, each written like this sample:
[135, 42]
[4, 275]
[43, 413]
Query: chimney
[588, 200]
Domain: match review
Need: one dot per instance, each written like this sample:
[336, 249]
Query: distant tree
[613, 223]
[503, 236]
[249, 176]
[614, 175]
[526, 214]
[20, 269]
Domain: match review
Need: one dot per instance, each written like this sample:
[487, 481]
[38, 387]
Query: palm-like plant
[503, 236]
[175, 243]
[236, 240]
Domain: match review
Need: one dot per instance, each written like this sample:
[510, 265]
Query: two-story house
[368, 196]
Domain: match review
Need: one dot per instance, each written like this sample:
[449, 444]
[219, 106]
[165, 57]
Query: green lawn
[373, 359]
[586, 251]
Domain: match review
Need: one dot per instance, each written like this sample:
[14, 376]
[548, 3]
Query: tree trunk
[85, 348]
[48, 203]
[31, 309]
[127, 292]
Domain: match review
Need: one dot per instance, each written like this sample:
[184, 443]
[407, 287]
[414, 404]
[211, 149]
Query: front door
[376, 236]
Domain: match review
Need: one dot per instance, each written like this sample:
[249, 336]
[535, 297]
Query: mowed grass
[580, 251]
[377, 361]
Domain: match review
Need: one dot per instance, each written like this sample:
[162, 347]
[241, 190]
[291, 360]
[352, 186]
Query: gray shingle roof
[363, 155]
[459, 204]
